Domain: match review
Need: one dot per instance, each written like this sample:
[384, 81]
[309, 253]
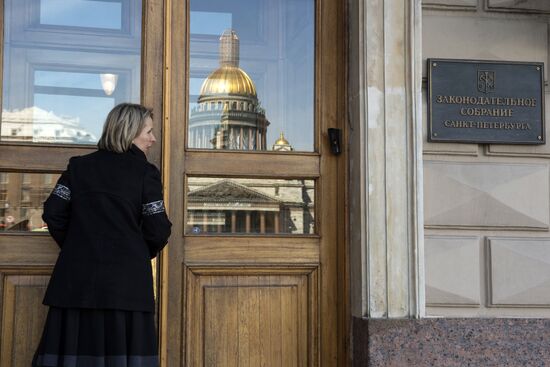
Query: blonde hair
[122, 125]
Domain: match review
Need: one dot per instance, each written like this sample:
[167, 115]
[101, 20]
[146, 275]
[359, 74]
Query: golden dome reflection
[228, 114]
[282, 140]
[228, 80]
[282, 144]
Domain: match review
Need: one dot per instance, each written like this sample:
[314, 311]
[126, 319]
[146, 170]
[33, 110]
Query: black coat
[107, 215]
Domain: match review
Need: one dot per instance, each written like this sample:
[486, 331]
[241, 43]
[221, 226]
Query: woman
[107, 215]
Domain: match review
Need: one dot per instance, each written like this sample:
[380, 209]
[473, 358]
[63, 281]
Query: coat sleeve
[57, 208]
[155, 226]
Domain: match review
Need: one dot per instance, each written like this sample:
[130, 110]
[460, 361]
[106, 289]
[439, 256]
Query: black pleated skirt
[97, 338]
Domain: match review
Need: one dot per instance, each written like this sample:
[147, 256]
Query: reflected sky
[66, 79]
[210, 23]
[82, 13]
[91, 110]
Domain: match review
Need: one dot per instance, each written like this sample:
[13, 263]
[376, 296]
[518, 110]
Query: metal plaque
[485, 102]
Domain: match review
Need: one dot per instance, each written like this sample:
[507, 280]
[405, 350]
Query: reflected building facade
[33, 124]
[250, 206]
[22, 196]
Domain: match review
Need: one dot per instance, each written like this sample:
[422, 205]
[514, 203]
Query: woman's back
[104, 214]
[106, 193]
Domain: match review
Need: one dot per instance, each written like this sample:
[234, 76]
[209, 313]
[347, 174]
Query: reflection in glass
[228, 106]
[250, 206]
[66, 64]
[22, 196]
[251, 81]
[82, 13]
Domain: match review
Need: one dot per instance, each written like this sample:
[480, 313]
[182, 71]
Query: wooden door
[53, 107]
[252, 277]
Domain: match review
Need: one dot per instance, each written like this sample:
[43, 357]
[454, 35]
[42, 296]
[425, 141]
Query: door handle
[335, 140]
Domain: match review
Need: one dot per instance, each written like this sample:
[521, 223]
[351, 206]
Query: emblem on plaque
[485, 81]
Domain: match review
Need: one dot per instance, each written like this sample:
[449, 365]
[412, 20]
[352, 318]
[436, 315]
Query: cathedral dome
[282, 144]
[282, 140]
[228, 114]
[228, 79]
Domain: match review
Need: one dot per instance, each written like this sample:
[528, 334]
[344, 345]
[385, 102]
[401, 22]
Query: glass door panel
[251, 83]
[250, 206]
[66, 64]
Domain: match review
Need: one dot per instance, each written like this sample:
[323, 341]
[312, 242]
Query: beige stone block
[526, 150]
[542, 6]
[468, 37]
[452, 270]
[459, 4]
[486, 195]
[442, 148]
[519, 271]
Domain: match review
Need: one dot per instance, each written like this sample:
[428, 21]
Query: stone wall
[487, 207]
[451, 342]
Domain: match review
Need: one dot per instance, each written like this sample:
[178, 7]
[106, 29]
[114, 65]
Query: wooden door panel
[252, 317]
[23, 316]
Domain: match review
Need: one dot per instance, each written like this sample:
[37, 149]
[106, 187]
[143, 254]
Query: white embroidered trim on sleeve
[153, 207]
[62, 191]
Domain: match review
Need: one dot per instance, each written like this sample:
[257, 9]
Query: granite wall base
[451, 342]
